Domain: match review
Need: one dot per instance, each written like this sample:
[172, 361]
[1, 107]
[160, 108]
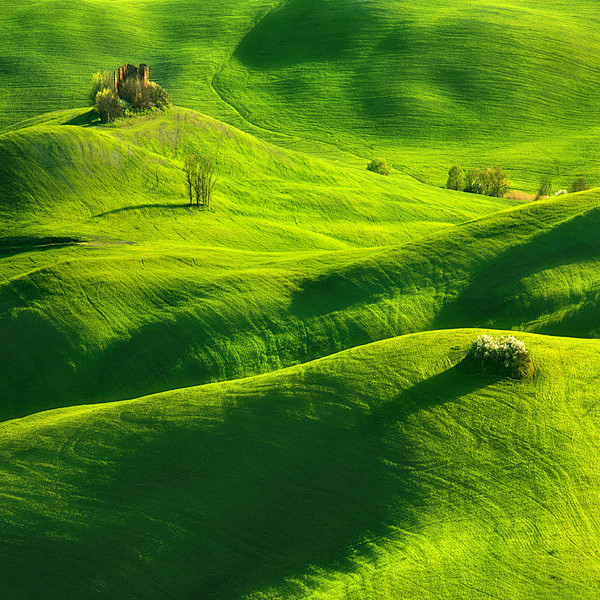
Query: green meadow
[267, 399]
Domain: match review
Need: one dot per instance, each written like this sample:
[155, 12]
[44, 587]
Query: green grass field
[379, 472]
[266, 400]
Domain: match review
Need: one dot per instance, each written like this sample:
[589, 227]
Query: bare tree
[205, 180]
[190, 168]
[200, 178]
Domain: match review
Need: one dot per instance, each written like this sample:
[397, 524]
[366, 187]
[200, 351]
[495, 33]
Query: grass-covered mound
[128, 182]
[380, 472]
[114, 289]
[424, 85]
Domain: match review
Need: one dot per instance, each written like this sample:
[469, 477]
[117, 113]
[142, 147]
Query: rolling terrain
[380, 472]
[426, 84]
[266, 400]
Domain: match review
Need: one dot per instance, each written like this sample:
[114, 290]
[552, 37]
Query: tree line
[496, 182]
[487, 181]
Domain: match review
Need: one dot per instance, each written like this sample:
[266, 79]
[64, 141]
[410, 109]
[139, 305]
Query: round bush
[379, 165]
[505, 356]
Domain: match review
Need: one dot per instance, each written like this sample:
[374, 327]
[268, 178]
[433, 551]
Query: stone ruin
[126, 72]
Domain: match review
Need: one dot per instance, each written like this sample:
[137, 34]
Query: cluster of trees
[579, 184]
[495, 182]
[200, 178]
[487, 181]
[132, 97]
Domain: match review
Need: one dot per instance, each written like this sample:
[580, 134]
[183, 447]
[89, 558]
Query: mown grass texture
[262, 401]
[375, 473]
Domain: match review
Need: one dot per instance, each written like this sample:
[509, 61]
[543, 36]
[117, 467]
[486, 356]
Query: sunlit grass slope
[425, 83]
[128, 181]
[116, 301]
[49, 48]
[430, 83]
[381, 472]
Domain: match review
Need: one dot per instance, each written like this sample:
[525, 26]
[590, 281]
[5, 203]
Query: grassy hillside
[123, 297]
[429, 84]
[425, 84]
[265, 400]
[381, 472]
[50, 48]
[128, 181]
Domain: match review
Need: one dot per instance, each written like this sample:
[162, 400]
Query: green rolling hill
[426, 84]
[131, 299]
[380, 472]
[266, 400]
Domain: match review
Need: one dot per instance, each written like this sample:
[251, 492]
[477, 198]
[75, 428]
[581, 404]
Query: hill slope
[128, 181]
[215, 403]
[104, 320]
[426, 84]
[381, 472]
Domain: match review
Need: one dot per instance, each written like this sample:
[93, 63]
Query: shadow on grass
[125, 209]
[294, 477]
[494, 295]
[11, 246]
[447, 386]
[84, 120]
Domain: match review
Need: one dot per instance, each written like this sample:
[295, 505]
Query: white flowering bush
[505, 356]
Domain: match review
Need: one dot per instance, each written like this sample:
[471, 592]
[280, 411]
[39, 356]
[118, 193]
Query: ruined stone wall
[131, 71]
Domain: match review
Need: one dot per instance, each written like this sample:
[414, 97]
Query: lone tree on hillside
[579, 185]
[200, 178]
[504, 357]
[456, 178]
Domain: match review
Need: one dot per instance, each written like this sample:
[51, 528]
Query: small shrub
[579, 185]
[157, 96]
[505, 356]
[379, 165]
[108, 105]
[101, 81]
[456, 178]
[545, 187]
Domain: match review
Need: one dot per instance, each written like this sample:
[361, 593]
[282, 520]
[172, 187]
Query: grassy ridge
[128, 181]
[427, 85]
[381, 472]
[122, 320]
